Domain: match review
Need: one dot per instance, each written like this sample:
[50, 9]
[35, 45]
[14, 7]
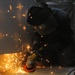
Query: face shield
[48, 27]
[41, 19]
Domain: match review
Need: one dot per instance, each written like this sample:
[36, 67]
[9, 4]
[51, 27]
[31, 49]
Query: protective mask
[46, 28]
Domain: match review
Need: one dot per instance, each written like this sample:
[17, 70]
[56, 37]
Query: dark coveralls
[56, 48]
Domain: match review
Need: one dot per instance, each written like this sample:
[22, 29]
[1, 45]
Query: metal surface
[47, 71]
[11, 64]
[14, 31]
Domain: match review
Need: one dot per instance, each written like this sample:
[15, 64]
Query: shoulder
[59, 11]
[60, 15]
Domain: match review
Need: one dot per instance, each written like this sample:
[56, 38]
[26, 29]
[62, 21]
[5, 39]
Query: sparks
[24, 27]
[11, 63]
[6, 34]
[47, 60]
[11, 7]
[28, 47]
[24, 15]
[8, 10]
[31, 17]
[45, 45]
[14, 16]
[52, 73]
[19, 6]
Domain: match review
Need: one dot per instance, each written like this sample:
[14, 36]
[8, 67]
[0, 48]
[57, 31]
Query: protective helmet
[41, 19]
[37, 15]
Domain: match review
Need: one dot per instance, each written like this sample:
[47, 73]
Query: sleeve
[37, 42]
